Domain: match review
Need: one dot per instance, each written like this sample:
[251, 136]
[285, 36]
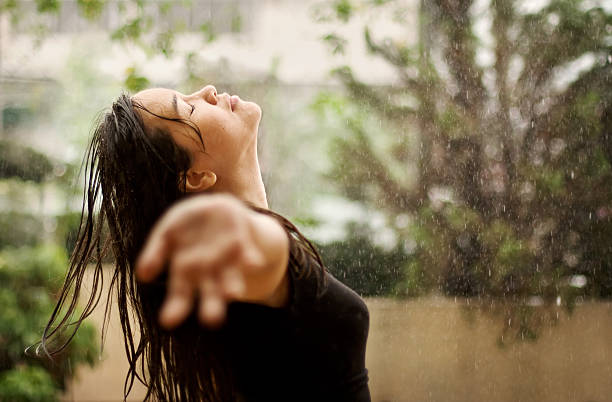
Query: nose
[209, 93]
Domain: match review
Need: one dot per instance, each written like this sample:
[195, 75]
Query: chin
[253, 113]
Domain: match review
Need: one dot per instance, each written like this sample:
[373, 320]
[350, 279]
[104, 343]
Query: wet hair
[132, 175]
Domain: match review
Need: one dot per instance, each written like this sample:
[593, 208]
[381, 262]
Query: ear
[196, 181]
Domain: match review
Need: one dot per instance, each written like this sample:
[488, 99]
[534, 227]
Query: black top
[312, 350]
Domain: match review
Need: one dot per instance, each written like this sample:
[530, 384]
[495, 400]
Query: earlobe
[199, 181]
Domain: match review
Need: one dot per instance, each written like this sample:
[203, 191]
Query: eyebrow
[174, 104]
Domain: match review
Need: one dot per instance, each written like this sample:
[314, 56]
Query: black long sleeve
[311, 350]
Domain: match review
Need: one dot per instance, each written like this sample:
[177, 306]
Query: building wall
[439, 349]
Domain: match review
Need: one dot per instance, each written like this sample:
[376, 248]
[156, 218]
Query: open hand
[219, 250]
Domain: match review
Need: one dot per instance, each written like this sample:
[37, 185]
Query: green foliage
[364, 267]
[132, 30]
[152, 26]
[510, 200]
[415, 280]
[91, 9]
[19, 229]
[18, 161]
[380, 2]
[344, 9]
[164, 42]
[207, 32]
[327, 102]
[336, 42]
[135, 82]
[48, 6]
[8, 5]
[26, 275]
[29, 277]
[27, 384]
[236, 23]
[13, 116]
[67, 229]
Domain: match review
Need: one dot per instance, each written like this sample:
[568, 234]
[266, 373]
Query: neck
[244, 182]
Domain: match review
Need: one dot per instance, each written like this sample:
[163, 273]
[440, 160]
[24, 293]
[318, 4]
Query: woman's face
[228, 125]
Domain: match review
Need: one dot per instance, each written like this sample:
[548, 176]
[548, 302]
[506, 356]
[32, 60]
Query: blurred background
[452, 159]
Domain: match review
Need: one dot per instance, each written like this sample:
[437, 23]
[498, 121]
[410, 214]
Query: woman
[229, 301]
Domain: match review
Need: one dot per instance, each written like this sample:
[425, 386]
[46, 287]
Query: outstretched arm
[220, 250]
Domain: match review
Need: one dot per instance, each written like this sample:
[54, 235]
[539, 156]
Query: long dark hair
[133, 174]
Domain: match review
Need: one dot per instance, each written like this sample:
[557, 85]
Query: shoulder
[341, 301]
[314, 293]
[331, 305]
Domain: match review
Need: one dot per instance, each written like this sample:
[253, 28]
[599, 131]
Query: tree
[31, 272]
[502, 166]
[29, 277]
[350, 261]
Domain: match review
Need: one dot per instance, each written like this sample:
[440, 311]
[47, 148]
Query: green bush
[366, 268]
[23, 162]
[27, 384]
[19, 229]
[29, 279]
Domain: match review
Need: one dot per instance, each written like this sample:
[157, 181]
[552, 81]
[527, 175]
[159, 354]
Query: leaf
[207, 31]
[91, 9]
[48, 6]
[344, 9]
[336, 42]
[134, 82]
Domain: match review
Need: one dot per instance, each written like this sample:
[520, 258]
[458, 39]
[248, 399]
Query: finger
[232, 283]
[178, 303]
[212, 306]
[156, 249]
[152, 257]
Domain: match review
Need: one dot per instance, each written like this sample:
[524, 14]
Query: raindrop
[572, 174]
[59, 170]
[578, 281]
[610, 59]
[558, 300]
[535, 301]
